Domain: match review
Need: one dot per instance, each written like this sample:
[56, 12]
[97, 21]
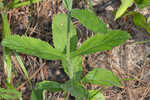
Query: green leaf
[32, 46]
[96, 95]
[5, 25]
[123, 7]
[37, 94]
[9, 94]
[73, 67]
[75, 89]
[140, 20]
[22, 66]
[20, 4]
[100, 76]
[49, 85]
[68, 4]
[102, 42]
[142, 3]
[148, 20]
[59, 28]
[16, 1]
[89, 19]
[7, 63]
[6, 51]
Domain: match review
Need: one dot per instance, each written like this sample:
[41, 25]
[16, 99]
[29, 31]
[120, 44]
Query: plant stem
[68, 36]
[90, 4]
[69, 67]
[141, 42]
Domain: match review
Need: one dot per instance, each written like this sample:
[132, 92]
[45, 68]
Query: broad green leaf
[140, 20]
[142, 3]
[68, 4]
[123, 7]
[96, 95]
[20, 4]
[102, 42]
[49, 85]
[9, 94]
[89, 19]
[75, 89]
[32, 46]
[73, 67]
[100, 76]
[59, 28]
[147, 28]
[37, 94]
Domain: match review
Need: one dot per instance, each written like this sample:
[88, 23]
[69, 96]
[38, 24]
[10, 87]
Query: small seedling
[138, 19]
[65, 49]
[125, 4]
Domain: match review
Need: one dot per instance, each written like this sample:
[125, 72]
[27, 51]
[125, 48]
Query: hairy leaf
[73, 67]
[102, 42]
[96, 95]
[75, 89]
[100, 76]
[124, 6]
[89, 19]
[32, 46]
[59, 28]
[49, 85]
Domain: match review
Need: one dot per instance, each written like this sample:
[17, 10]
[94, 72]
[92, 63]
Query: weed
[138, 19]
[65, 43]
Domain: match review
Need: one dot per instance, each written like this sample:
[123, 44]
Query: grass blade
[6, 51]
[22, 65]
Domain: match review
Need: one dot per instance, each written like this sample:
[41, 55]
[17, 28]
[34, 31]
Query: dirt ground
[131, 60]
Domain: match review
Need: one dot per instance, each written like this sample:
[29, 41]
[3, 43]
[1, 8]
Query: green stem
[65, 95]
[68, 36]
[141, 42]
[90, 4]
[68, 55]
[6, 52]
